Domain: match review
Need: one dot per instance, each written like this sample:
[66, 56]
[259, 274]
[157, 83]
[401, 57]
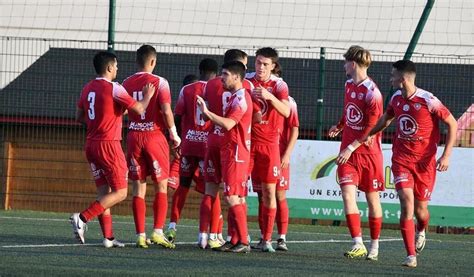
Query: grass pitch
[38, 243]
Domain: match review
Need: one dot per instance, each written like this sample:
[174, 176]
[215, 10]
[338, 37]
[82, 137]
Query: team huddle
[234, 127]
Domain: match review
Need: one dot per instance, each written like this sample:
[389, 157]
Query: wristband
[351, 148]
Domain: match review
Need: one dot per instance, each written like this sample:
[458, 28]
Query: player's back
[194, 129]
[151, 120]
[217, 97]
[103, 115]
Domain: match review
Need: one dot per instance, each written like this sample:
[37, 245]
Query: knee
[122, 194]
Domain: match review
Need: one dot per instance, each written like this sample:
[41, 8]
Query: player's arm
[336, 129]
[443, 162]
[140, 106]
[285, 159]
[169, 121]
[224, 122]
[281, 106]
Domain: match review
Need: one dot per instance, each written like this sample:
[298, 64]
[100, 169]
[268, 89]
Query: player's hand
[201, 104]
[285, 161]
[174, 137]
[369, 141]
[334, 131]
[344, 156]
[257, 117]
[442, 164]
[263, 93]
[148, 90]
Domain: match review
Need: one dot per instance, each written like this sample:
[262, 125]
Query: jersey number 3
[91, 100]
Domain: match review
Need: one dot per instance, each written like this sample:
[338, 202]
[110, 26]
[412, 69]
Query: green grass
[51, 250]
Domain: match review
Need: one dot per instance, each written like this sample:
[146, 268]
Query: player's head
[356, 58]
[146, 56]
[190, 78]
[208, 69]
[266, 63]
[236, 55]
[233, 73]
[403, 71]
[105, 64]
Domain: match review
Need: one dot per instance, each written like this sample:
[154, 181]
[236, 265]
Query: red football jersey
[151, 120]
[239, 109]
[216, 98]
[363, 106]
[417, 133]
[267, 131]
[288, 124]
[194, 129]
[103, 103]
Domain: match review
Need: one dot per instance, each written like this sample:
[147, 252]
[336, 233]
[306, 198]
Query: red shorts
[284, 181]
[107, 162]
[420, 176]
[364, 171]
[198, 178]
[264, 164]
[147, 154]
[173, 178]
[234, 173]
[212, 165]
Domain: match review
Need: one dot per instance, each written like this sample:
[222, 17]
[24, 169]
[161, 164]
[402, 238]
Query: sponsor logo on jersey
[353, 114]
[406, 107]
[197, 136]
[407, 125]
[141, 126]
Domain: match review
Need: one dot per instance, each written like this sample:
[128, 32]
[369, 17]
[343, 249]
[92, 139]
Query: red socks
[241, 223]
[106, 226]
[375, 225]
[269, 215]
[216, 212]
[282, 217]
[179, 198]
[160, 208]
[139, 212]
[231, 227]
[407, 228]
[205, 213]
[95, 209]
[353, 223]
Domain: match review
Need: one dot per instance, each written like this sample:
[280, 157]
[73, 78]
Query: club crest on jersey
[417, 106]
[407, 125]
[353, 95]
[353, 114]
[406, 107]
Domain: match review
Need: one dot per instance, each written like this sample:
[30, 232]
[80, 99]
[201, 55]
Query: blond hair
[359, 55]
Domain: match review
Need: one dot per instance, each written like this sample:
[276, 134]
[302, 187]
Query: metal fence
[41, 81]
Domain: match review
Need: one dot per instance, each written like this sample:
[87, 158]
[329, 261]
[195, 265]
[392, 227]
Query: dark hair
[272, 54]
[235, 67]
[190, 78]
[144, 53]
[102, 59]
[405, 66]
[234, 55]
[208, 65]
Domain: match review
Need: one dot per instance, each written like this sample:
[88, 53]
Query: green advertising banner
[315, 194]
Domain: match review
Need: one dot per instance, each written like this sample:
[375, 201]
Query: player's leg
[181, 193]
[375, 223]
[407, 226]
[139, 211]
[422, 219]
[105, 221]
[282, 218]
[269, 208]
[160, 208]
[351, 210]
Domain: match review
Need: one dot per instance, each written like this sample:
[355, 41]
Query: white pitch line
[177, 243]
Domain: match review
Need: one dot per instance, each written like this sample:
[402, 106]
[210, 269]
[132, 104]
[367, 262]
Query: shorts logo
[346, 179]
[185, 164]
[407, 125]
[134, 167]
[157, 168]
[353, 114]
[210, 167]
[95, 171]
